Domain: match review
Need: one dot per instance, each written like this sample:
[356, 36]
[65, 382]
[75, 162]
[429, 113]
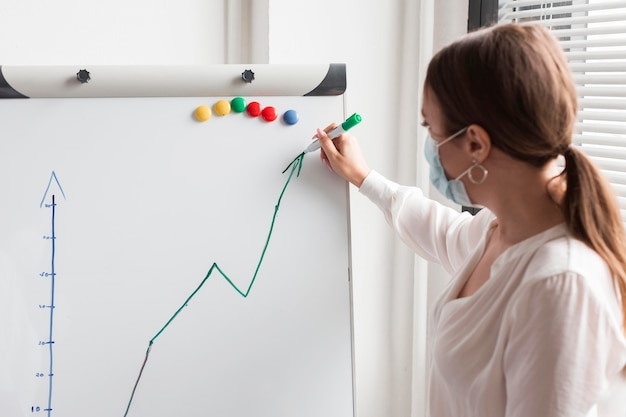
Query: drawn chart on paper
[295, 166]
[163, 241]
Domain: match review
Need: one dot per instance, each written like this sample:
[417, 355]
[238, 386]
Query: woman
[532, 322]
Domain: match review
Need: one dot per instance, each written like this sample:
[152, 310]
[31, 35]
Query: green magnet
[238, 104]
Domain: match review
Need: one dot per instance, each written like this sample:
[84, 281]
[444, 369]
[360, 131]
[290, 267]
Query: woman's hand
[343, 156]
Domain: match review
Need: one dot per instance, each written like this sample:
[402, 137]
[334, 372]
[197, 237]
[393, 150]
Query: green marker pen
[350, 122]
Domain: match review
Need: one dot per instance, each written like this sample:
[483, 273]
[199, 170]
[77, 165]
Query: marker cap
[351, 121]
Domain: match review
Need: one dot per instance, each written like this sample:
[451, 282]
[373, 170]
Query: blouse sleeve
[435, 232]
[563, 348]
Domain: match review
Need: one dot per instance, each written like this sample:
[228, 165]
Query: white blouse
[542, 337]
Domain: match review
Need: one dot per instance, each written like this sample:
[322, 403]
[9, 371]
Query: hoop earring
[484, 173]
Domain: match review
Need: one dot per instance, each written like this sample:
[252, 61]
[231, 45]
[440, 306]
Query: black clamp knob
[247, 76]
[83, 76]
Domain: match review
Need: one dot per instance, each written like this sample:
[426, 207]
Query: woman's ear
[479, 143]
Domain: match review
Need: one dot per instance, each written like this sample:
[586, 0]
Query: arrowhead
[53, 176]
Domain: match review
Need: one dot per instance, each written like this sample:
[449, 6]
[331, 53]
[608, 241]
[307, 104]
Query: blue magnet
[291, 117]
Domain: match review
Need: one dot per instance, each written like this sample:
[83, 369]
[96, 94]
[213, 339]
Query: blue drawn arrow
[53, 176]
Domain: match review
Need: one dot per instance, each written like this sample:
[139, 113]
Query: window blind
[593, 36]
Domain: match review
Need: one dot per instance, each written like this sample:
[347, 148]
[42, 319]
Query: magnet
[269, 114]
[202, 113]
[253, 109]
[238, 104]
[222, 108]
[291, 117]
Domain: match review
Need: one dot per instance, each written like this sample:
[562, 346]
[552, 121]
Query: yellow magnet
[202, 113]
[222, 107]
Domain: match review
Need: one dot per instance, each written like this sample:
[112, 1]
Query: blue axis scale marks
[52, 275]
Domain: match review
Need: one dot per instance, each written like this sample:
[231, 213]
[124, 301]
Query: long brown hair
[514, 81]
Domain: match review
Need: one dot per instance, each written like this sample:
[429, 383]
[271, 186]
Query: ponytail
[593, 216]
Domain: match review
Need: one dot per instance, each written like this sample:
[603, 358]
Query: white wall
[111, 32]
[368, 37]
[363, 34]
[363, 38]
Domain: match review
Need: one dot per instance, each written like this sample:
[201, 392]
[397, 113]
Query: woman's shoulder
[559, 252]
[564, 267]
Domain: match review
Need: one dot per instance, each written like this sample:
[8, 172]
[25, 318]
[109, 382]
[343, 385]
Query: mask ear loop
[484, 173]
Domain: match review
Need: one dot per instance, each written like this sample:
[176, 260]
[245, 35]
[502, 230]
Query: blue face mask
[452, 189]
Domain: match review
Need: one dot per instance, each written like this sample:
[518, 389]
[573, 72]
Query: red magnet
[253, 109]
[269, 114]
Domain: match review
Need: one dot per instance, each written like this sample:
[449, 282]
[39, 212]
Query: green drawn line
[296, 165]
